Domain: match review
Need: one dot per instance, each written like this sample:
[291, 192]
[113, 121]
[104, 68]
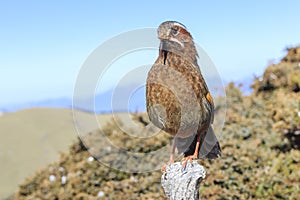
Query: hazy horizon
[44, 44]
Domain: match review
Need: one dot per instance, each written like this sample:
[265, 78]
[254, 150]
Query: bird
[178, 100]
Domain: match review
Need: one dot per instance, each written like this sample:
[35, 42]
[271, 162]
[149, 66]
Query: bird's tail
[209, 146]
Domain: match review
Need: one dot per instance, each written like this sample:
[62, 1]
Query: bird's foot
[164, 168]
[185, 160]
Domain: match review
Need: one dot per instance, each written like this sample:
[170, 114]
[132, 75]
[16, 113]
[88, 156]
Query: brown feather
[177, 97]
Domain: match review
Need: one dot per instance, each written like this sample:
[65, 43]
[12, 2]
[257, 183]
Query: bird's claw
[164, 168]
[185, 160]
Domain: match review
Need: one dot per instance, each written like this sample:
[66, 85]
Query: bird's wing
[207, 94]
[210, 100]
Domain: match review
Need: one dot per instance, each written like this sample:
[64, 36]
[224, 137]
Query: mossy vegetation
[260, 151]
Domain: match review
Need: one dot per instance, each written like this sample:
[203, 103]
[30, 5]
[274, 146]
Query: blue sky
[44, 43]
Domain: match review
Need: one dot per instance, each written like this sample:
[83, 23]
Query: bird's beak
[163, 44]
[160, 35]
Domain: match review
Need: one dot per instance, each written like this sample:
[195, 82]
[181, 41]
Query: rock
[183, 184]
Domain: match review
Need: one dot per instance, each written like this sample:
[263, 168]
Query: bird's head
[175, 37]
[174, 32]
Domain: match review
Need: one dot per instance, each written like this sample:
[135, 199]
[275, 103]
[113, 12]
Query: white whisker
[177, 41]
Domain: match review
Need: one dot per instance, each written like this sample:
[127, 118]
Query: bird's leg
[195, 155]
[173, 152]
[163, 169]
[197, 146]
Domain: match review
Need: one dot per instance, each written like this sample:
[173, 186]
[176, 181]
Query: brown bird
[177, 97]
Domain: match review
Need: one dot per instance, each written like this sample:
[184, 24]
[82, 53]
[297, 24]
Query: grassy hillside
[30, 139]
[260, 151]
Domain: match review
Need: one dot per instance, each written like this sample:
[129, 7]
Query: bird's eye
[175, 32]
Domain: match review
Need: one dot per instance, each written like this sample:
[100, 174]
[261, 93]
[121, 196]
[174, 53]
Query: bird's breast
[174, 98]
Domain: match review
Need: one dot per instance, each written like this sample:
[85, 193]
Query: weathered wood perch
[184, 184]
